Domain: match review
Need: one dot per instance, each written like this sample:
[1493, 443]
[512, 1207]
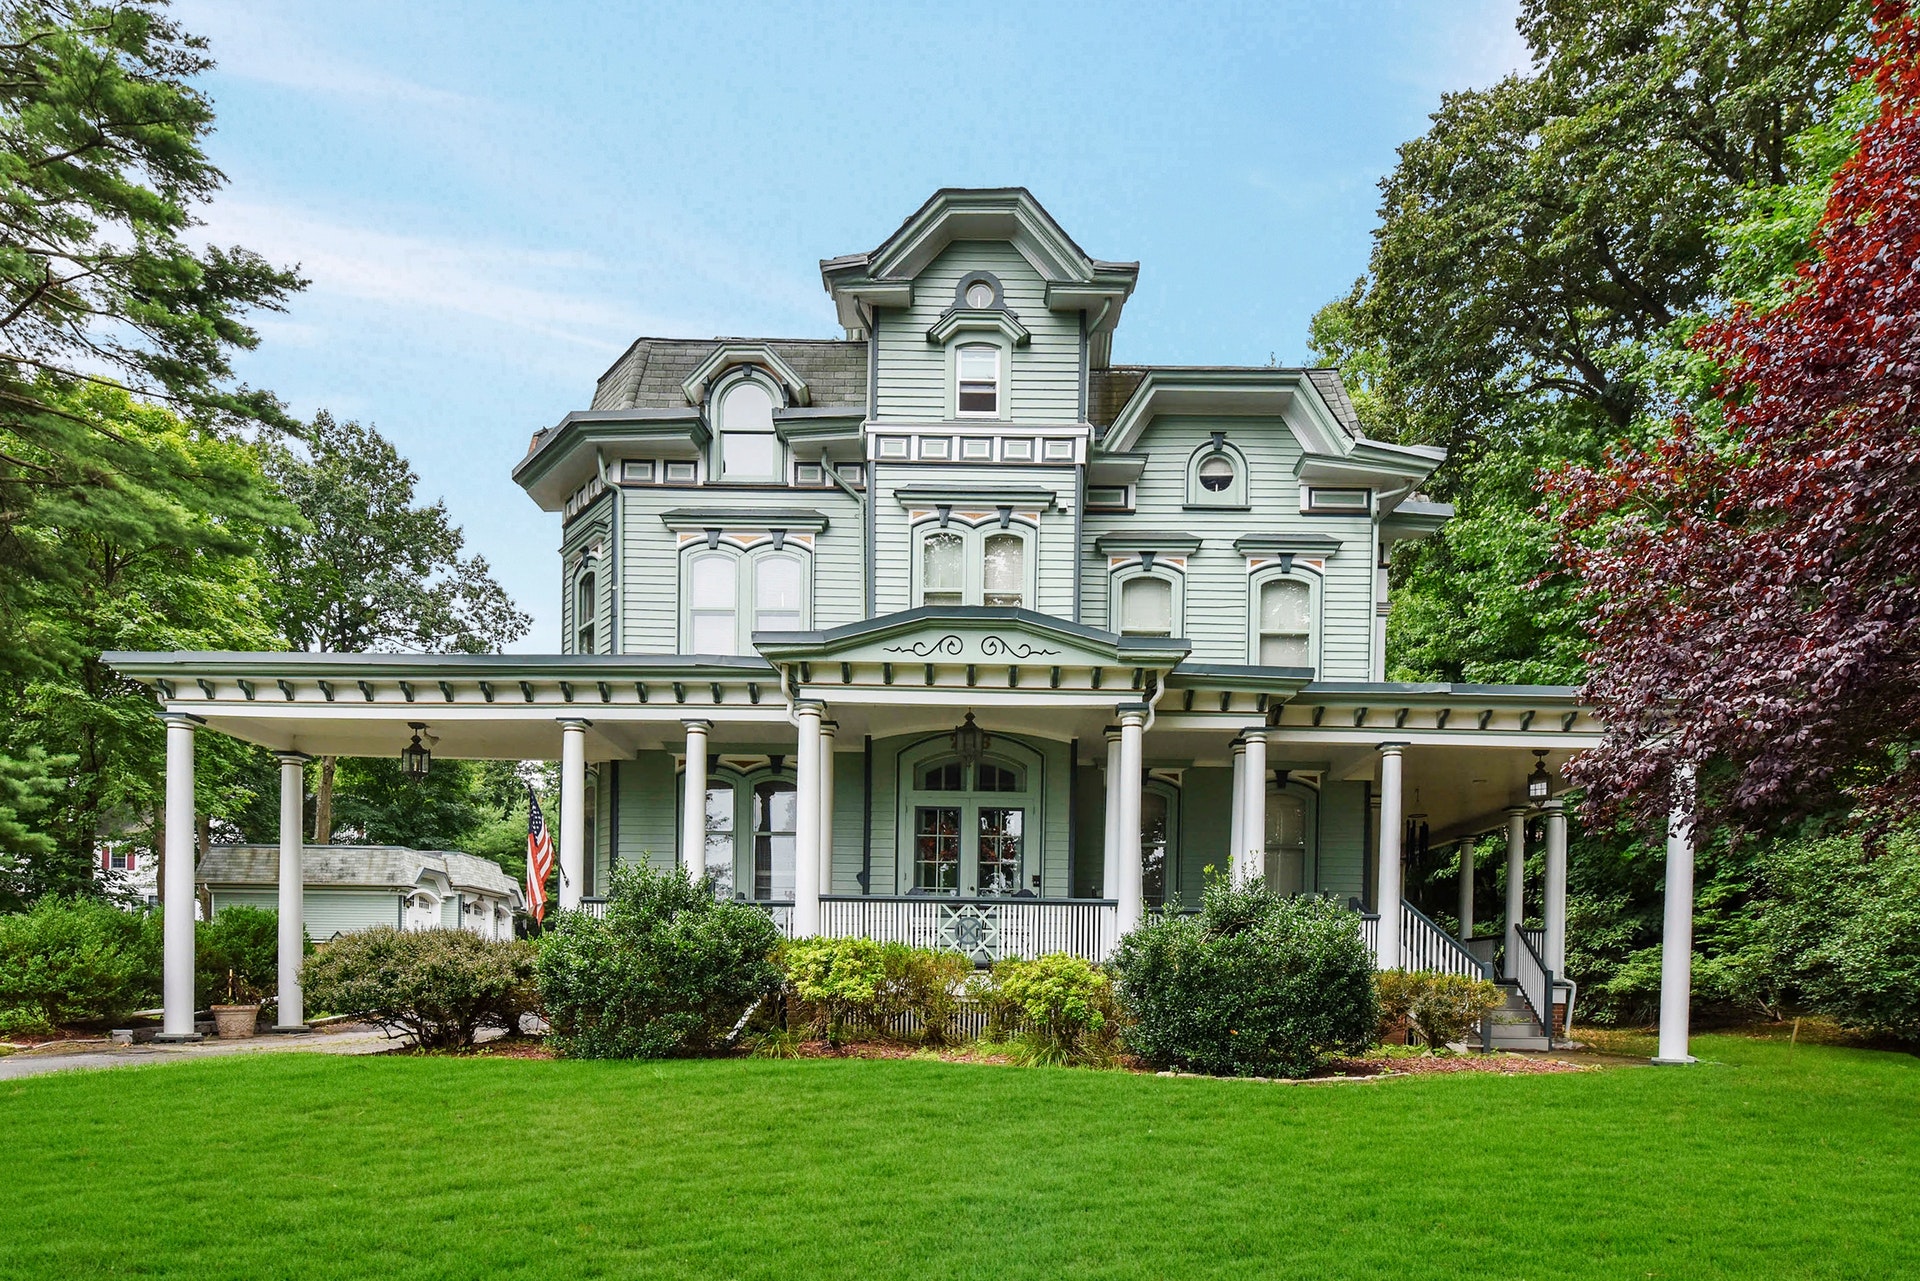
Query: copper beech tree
[1755, 581]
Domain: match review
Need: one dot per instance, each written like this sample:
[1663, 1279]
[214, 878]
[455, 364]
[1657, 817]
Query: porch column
[1132, 895]
[176, 982]
[1676, 939]
[1391, 822]
[292, 1014]
[1110, 845]
[1516, 885]
[827, 729]
[573, 811]
[806, 855]
[1236, 844]
[693, 808]
[1466, 889]
[1555, 916]
[1253, 822]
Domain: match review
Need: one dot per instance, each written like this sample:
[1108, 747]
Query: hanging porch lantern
[1540, 782]
[415, 758]
[969, 740]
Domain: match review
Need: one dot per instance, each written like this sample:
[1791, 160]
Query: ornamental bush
[1440, 1008]
[1256, 984]
[1062, 1003]
[237, 955]
[839, 981]
[75, 960]
[440, 986]
[669, 971]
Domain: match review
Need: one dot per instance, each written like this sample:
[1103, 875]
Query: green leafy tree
[370, 569]
[101, 169]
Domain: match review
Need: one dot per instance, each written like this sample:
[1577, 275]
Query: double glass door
[968, 849]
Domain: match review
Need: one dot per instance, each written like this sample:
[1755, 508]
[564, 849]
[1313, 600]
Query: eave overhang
[803, 520]
[1228, 393]
[1169, 542]
[1294, 544]
[995, 320]
[576, 448]
[755, 354]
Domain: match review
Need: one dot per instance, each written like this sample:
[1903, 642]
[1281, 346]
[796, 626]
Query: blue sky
[492, 201]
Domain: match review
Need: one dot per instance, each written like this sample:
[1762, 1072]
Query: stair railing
[1425, 946]
[1534, 978]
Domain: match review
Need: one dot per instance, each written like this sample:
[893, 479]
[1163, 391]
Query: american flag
[539, 857]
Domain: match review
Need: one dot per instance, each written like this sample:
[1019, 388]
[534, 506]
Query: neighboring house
[952, 629]
[128, 872]
[355, 887]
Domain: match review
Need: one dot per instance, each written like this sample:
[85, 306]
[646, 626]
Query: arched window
[748, 448]
[1004, 564]
[976, 369]
[1217, 476]
[713, 596]
[1146, 606]
[1286, 623]
[778, 593]
[586, 608]
[943, 569]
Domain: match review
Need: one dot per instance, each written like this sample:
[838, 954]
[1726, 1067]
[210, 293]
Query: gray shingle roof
[651, 372]
[1108, 391]
[375, 866]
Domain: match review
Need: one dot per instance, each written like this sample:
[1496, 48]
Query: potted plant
[240, 1016]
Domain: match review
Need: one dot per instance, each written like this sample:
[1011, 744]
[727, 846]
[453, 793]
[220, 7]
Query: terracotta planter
[231, 1021]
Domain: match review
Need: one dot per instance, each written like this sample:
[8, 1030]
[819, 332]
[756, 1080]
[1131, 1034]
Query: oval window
[1216, 473]
[980, 295]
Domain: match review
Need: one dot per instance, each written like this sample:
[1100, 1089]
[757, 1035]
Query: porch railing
[1533, 976]
[1425, 946]
[986, 929]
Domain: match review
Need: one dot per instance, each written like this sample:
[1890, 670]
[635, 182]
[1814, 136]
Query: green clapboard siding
[1206, 812]
[894, 535]
[591, 527]
[848, 820]
[1217, 619]
[648, 810]
[1343, 818]
[1043, 383]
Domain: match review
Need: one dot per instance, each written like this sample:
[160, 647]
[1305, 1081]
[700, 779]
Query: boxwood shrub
[669, 971]
[440, 986]
[1257, 984]
[75, 960]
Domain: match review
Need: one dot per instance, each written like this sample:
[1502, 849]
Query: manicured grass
[1777, 1161]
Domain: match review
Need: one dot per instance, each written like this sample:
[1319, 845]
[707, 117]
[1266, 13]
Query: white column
[292, 1016]
[1237, 811]
[1676, 940]
[827, 729]
[1132, 894]
[806, 858]
[573, 811]
[176, 983]
[1466, 889]
[1555, 917]
[1516, 885]
[1110, 842]
[1253, 821]
[1391, 822]
[693, 806]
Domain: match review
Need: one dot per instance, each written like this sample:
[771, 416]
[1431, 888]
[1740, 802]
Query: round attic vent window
[1216, 473]
[980, 295]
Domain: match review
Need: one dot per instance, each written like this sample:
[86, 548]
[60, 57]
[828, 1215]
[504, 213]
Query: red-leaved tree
[1756, 590]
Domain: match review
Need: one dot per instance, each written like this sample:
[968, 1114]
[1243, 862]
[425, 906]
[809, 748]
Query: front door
[969, 828]
[1286, 861]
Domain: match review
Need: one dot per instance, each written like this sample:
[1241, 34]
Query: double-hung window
[977, 374]
[969, 566]
[1286, 623]
[1146, 606]
[777, 594]
[714, 603]
[748, 449]
[731, 595]
[586, 606]
[1004, 566]
[943, 569]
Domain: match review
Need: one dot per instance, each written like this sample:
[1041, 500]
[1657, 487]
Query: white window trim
[1258, 577]
[1234, 495]
[747, 563]
[1124, 574]
[588, 568]
[973, 557]
[1003, 367]
[717, 400]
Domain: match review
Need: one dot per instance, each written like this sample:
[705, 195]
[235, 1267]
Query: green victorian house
[952, 630]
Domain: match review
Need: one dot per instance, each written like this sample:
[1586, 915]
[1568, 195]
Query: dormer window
[977, 367]
[748, 449]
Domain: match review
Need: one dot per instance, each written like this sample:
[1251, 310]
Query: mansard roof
[652, 373]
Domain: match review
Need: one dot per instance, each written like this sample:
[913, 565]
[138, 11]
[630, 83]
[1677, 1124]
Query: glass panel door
[718, 861]
[1286, 860]
[1154, 841]
[775, 815]
[1000, 835]
[936, 848]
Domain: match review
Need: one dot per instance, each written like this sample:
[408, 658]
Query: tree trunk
[323, 803]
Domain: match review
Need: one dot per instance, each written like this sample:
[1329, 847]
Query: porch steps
[1514, 1027]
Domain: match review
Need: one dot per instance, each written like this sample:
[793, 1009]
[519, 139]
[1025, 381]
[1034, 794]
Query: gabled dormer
[980, 309]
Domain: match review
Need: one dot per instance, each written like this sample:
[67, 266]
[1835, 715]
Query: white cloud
[254, 42]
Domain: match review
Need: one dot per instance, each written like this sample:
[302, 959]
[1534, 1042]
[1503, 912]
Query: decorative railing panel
[986, 929]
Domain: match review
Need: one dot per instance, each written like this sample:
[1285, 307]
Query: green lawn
[1775, 1161]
